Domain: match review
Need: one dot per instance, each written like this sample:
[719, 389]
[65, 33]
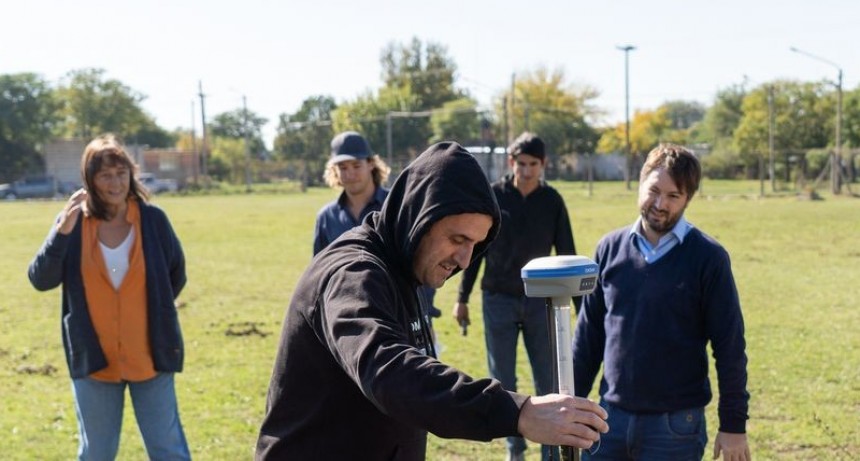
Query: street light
[836, 156]
[627, 164]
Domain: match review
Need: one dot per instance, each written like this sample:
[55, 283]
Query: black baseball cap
[349, 145]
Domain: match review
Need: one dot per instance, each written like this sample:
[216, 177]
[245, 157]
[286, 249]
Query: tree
[27, 118]
[28, 109]
[803, 114]
[425, 71]
[184, 140]
[851, 129]
[647, 129]
[236, 124]
[96, 105]
[723, 117]
[558, 112]
[153, 135]
[457, 120]
[18, 159]
[371, 115]
[304, 137]
[229, 152]
[417, 78]
[684, 115]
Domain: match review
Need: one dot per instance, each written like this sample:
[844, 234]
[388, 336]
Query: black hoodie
[355, 376]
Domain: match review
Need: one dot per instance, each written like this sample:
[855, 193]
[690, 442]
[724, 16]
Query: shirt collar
[378, 197]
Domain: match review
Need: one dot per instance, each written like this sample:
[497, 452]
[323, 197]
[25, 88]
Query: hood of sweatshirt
[444, 180]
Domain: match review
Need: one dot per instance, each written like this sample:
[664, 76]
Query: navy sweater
[649, 325]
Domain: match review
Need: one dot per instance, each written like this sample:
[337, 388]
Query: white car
[157, 186]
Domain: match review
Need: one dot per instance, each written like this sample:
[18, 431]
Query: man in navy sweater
[666, 289]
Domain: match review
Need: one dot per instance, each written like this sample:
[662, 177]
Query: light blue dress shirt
[672, 238]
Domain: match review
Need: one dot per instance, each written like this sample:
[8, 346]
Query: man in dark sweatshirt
[534, 221]
[356, 375]
[665, 290]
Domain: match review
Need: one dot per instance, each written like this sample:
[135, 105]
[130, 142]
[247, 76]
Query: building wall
[63, 159]
[179, 165]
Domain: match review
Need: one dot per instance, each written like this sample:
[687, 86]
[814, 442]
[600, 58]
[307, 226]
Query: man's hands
[734, 447]
[461, 314]
[73, 208]
[556, 419]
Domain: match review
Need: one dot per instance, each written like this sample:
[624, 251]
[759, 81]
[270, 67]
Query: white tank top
[116, 259]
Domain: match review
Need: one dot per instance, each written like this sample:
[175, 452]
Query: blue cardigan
[59, 262]
[649, 324]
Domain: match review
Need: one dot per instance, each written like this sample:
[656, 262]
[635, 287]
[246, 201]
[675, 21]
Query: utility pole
[203, 150]
[770, 130]
[507, 131]
[195, 154]
[628, 164]
[246, 133]
[835, 177]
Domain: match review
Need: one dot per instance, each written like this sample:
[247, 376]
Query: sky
[276, 53]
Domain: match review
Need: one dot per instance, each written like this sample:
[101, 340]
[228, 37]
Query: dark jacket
[59, 262]
[531, 227]
[355, 376]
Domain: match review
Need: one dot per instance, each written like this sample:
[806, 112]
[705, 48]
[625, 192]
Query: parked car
[33, 187]
[156, 185]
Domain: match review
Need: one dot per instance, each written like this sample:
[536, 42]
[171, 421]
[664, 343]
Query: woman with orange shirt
[121, 268]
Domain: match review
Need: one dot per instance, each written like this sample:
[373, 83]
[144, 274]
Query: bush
[722, 165]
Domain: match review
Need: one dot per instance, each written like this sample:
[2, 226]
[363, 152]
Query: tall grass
[796, 263]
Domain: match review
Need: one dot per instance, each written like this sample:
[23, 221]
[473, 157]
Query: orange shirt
[119, 316]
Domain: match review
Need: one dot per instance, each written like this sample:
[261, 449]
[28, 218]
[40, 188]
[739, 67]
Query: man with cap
[356, 375]
[360, 174]
[534, 220]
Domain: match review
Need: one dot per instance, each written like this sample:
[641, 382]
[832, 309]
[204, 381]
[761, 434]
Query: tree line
[421, 101]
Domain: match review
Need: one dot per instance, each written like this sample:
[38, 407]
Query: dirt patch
[245, 329]
[44, 370]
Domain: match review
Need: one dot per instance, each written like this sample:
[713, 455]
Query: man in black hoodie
[356, 375]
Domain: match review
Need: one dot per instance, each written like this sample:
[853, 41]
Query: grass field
[796, 262]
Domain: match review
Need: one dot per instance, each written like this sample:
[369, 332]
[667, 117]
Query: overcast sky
[278, 52]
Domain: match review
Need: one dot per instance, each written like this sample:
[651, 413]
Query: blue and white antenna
[558, 279]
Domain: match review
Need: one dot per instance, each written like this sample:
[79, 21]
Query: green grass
[796, 263]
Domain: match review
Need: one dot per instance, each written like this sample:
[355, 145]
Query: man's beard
[659, 221]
